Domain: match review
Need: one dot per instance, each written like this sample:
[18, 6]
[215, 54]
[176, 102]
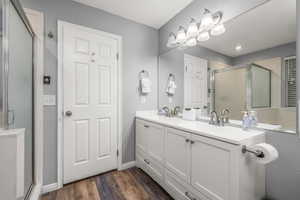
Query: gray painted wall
[279, 51]
[140, 51]
[283, 176]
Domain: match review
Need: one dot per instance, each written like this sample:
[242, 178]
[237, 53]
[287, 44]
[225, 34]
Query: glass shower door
[20, 84]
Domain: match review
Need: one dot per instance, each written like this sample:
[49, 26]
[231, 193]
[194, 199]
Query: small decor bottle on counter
[253, 118]
[246, 121]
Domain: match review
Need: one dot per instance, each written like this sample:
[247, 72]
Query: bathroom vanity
[193, 160]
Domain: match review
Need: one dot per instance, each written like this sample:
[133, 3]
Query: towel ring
[144, 74]
[171, 77]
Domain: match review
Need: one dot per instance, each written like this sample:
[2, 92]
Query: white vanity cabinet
[196, 167]
[150, 148]
[177, 153]
[214, 168]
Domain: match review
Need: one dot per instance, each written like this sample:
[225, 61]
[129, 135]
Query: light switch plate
[49, 100]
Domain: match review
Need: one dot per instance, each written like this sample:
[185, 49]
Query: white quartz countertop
[227, 133]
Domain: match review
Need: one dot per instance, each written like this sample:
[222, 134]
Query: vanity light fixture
[172, 41]
[181, 35]
[191, 42]
[238, 47]
[204, 36]
[192, 29]
[209, 24]
[218, 30]
[207, 20]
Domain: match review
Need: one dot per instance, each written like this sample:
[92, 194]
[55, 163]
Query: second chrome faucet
[221, 120]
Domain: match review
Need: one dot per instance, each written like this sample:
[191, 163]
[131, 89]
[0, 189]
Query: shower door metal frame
[5, 72]
[212, 90]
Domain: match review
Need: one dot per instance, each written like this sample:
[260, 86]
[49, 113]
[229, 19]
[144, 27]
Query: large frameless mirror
[237, 66]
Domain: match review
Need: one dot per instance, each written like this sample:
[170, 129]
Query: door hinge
[117, 56]
[118, 152]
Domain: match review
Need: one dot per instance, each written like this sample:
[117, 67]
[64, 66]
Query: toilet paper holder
[257, 153]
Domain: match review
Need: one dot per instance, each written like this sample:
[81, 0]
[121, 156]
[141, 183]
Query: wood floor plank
[131, 184]
[129, 187]
[155, 191]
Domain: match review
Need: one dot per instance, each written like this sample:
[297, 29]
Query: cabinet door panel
[141, 136]
[212, 168]
[155, 140]
[156, 171]
[177, 190]
[177, 153]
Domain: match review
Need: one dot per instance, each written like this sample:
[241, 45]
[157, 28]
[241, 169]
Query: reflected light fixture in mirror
[181, 35]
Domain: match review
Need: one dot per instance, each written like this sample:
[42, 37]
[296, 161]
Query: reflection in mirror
[245, 69]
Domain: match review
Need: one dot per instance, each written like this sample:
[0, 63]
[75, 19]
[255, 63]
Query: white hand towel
[171, 88]
[146, 85]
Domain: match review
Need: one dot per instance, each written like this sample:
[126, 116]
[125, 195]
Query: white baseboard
[50, 188]
[36, 192]
[128, 165]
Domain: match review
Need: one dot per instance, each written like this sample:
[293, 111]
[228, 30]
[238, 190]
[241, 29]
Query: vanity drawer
[179, 189]
[153, 168]
[150, 139]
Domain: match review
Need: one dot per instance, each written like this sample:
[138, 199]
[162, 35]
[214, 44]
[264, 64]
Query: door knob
[69, 113]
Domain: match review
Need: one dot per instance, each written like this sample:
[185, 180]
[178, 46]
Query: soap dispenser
[246, 121]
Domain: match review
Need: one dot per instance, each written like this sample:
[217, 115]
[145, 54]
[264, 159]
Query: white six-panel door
[89, 103]
[195, 82]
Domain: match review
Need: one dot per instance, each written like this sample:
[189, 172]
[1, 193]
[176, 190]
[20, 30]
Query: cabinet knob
[187, 140]
[192, 142]
[146, 126]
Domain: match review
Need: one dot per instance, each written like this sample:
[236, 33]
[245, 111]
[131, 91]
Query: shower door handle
[69, 113]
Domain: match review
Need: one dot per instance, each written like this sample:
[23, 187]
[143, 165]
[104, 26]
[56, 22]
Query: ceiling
[269, 25]
[154, 13]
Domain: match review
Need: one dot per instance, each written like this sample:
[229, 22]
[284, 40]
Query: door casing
[61, 25]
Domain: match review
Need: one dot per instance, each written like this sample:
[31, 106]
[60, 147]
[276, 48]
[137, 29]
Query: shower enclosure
[16, 89]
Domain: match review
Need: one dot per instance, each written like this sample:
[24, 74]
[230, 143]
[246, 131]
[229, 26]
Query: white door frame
[60, 93]
[38, 99]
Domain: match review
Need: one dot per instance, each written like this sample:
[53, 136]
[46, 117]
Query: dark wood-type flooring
[131, 184]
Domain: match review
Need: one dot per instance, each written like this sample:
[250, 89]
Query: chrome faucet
[214, 118]
[171, 112]
[225, 116]
[167, 111]
[176, 110]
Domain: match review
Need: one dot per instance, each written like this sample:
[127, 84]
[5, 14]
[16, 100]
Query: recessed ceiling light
[238, 47]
